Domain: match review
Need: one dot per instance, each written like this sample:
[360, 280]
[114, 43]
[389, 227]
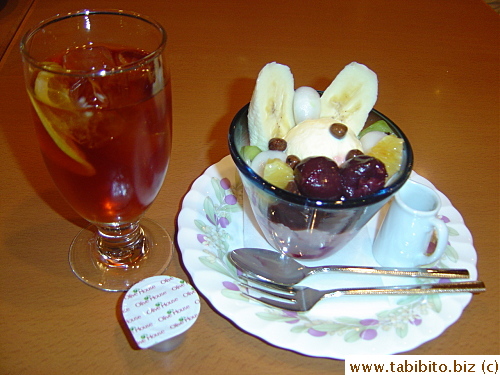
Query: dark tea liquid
[106, 139]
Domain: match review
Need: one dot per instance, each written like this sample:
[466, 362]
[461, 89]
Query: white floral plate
[213, 221]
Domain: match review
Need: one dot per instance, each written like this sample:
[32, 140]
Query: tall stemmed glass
[100, 88]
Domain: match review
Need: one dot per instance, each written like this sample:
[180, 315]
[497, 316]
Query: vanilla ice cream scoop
[314, 138]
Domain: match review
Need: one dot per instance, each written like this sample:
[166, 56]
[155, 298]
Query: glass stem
[121, 245]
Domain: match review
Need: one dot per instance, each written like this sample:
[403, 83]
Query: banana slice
[351, 96]
[270, 114]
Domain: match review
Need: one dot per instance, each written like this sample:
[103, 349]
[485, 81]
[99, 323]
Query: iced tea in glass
[99, 86]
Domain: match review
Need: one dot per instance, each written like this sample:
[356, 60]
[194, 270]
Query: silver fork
[302, 298]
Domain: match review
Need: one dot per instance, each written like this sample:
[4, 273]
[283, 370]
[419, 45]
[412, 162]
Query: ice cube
[89, 58]
[129, 56]
[88, 93]
[95, 128]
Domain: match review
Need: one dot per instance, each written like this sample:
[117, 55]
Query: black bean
[292, 161]
[277, 144]
[353, 153]
[338, 130]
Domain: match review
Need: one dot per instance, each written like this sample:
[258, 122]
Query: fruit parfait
[317, 167]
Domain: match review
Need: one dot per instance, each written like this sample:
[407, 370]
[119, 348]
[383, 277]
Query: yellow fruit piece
[52, 123]
[53, 89]
[278, 173]
[389, 150]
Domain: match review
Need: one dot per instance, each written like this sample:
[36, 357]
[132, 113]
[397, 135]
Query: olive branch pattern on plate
[214, 235]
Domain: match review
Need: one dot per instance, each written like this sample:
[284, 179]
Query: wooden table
[11, 15]
[438, 68]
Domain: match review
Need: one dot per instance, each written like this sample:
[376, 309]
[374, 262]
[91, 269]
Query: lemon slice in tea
[51, 123]
[52, 89]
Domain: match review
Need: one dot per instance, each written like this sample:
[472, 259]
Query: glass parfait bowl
[310, 228]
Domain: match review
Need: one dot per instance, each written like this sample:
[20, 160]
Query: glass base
[87, 265]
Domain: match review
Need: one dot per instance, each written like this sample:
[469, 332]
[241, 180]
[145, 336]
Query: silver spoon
[277, 268]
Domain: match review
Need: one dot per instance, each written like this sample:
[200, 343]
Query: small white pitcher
[408, 226]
